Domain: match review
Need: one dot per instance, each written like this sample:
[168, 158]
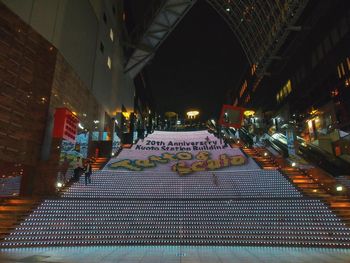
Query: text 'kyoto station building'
[175, 131]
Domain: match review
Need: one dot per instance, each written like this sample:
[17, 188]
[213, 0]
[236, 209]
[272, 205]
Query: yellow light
[126, 114]
[192, 114]
[309, 123]
[248, 113]
[74, 113]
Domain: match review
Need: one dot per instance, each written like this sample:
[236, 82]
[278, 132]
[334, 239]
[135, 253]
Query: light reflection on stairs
[262, 157]
[279, 215]
[251, 207]
[13, 211]
[99, 163]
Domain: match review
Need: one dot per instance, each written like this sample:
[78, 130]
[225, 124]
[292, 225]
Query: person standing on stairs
[78, 169]
[88, 172]
[215, 180]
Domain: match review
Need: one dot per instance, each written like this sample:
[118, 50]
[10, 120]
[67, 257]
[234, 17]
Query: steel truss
[165, 15]
[261, 26]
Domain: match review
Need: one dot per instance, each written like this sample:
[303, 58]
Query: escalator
[330, 163]
[278, 143]
[245, 136]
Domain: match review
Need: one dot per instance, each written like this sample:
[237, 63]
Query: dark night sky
[200, 61]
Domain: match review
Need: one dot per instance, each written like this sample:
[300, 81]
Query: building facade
[307, 86]
[59, 54]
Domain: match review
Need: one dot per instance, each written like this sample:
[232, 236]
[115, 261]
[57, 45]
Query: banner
[185, 162]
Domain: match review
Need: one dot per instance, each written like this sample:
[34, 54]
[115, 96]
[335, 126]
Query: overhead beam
[164, 21]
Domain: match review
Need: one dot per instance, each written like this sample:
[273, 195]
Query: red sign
[65, 125]
[231, 116]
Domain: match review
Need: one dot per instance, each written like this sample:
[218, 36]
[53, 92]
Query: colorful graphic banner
[185, 162]
[155, 145]
[182, 153]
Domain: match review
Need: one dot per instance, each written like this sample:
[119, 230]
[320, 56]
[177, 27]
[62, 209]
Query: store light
[59, 185]
[248, 113]
[294, 164]
[81, 126]
[192, 114]
[339, 188]
[126, 114]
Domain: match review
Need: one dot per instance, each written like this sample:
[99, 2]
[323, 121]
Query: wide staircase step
[13, 211]
[99, 163]
[295, 221]
[255, 207]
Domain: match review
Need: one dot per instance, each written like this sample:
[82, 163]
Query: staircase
[13, 211]
[262, 157]
[251, 206]
[308, 184]
[68, 222]
[258, 207]
[99, 163]
[311, 186]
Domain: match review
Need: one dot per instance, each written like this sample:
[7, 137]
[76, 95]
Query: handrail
[278, 145]
[332, 164]
[243, 134]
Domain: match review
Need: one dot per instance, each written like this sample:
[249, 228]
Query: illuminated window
[339, 72]
[109, 62]
[253, 69]
[111, 34]
[342, 69]
[244, 87]
[284, 91]
[289, 86]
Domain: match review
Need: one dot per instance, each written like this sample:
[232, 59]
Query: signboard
[65, 125]
[182, 162]
[231, 116]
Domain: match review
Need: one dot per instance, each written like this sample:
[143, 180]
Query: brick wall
[27, 63]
